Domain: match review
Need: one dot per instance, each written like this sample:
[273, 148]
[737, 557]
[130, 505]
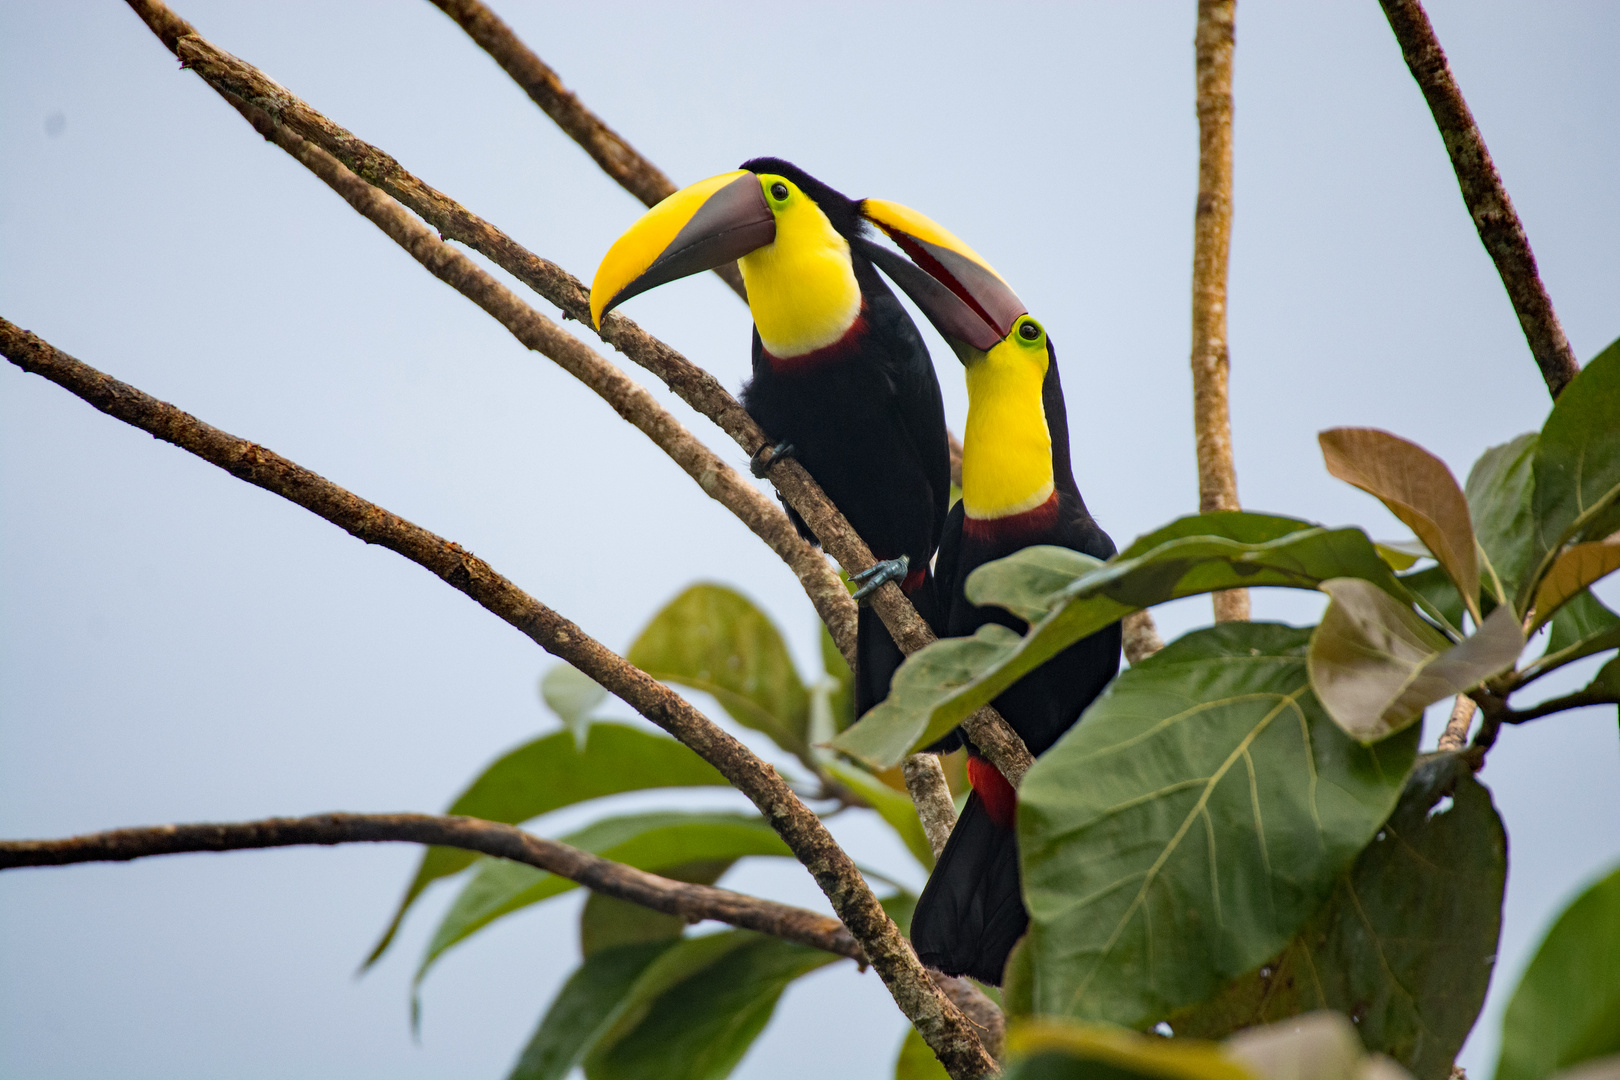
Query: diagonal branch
[936, 1019]
[694, 903]
[1487, 200]
[545, 88]
[1212, 245]
[248, 89]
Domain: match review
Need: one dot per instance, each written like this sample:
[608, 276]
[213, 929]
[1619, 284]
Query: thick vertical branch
[1212, 238]
[1487, 200]
[925, 781]
[947, 1032]
[545, 88]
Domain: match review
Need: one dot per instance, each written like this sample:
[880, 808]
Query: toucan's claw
[761, 463]
[879, 574]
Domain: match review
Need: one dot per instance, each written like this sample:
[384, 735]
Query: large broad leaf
[1567, 1007]
[1407, 941]
[549, 773]
[714, 639]
[606, 922]
[1437, 597]
[1583, 618]
[645, 841]
[1182, 832]
[1052, 1050]
[695, 1010]
[1417, 487]
[1577, 458]
[1375, 665]
[1574, 570]
[587, 1003]
[940, 686]
[894, 807]
[917, 1061]
[1498, 492]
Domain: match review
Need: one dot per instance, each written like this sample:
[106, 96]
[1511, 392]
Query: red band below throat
[999, 799]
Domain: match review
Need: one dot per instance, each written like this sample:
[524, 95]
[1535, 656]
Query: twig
[250, 89]
[1487, 200]
[1212, 241]
[1577, 700]
[944, 1028]
[1455, 737]
[694, 903]
[545, 88]
[925, 781]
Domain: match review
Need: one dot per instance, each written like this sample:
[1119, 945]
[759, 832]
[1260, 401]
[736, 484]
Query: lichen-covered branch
[1487, 200]
[925, 781]
[939, 1022]
[1212, 239]
[694, 903]
[250, 89]
[545, 88]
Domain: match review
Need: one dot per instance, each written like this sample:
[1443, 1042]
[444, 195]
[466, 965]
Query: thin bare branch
[1455, 737]
[1142, 638]
[251, 90]
[1487, 200]
[925, 780]
[985, 1015]
[694, 903]
[1212, 240]
[545, 88]
[940, 1023]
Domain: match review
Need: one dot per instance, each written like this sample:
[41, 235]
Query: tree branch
[939, 1022]
[1212, 241]
[1487, 200]
[925, 782]
[250, 89]
[1455, 737]
[694, 903]
[545, 88]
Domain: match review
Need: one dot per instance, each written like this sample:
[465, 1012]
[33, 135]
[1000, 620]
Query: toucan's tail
[876, 655]
[971, 913]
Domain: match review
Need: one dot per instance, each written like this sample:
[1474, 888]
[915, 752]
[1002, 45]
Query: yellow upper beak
[698, 228]
[961, 294]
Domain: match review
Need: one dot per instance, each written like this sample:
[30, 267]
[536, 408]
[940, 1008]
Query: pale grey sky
[179, 646]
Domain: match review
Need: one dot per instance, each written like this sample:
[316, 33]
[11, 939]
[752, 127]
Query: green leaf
[549, 773]
[1318, 1046]
[695, 1010]
[1566, 1009]
[1406, 942]
[582, 1010]
[1029, 582]
[894, 807]
[1583, 618]
[1182, 832]
[645, 841]
[608, 922]
[1049, 1049]
[917, 1061]
[1402, 554]
[714, 639]
[1417, 487]
[842, 699]
[573, 696]
[940, 686]
[1577, 458]
[1571, 573]
[1375, 665]
[1499, 487]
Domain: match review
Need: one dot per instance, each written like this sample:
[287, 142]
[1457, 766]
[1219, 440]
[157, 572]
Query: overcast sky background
[180, 646]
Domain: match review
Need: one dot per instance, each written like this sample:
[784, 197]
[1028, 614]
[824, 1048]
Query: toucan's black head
[841, 210]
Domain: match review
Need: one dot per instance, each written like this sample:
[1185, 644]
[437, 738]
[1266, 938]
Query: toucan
[841, 376]
[1018, 490]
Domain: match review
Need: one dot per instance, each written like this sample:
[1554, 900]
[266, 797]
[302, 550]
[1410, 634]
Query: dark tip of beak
[952, 317]
[732, 222]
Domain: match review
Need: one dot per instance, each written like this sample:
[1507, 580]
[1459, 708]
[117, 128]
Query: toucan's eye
[779, 191]
[1030, 330]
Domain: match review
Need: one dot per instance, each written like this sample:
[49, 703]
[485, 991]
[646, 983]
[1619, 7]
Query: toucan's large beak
[698, 228]
[962, 295]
